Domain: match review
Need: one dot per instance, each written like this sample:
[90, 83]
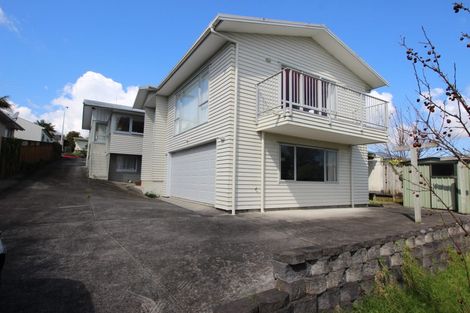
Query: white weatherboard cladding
[290, 194]
[261, 56]
[218, 127]
[122, 143]
[361, 174]
[125, 144]
[193, 174]
[98, 164]
[147, 145]
[31, 130]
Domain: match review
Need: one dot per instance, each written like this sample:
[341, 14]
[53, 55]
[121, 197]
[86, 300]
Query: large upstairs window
[192, 103]
[300, 163]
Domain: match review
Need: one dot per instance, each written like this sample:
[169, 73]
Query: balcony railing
[290, 91]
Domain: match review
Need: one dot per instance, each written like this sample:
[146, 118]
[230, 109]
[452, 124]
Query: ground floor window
[301, 163]
[126, 163]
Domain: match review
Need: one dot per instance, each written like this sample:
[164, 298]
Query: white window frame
[95, 139]
[325, 151]
[126, 170]
[200, 120]
[131, 122]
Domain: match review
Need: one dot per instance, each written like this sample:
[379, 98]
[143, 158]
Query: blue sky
[54, 53]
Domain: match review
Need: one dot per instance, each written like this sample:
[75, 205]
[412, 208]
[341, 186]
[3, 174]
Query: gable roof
[9, 122]
[90, 105]
[209, 42]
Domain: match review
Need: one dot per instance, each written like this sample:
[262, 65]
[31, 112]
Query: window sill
[190, 129]
[117, 132]
[126, 171]
[295, 182]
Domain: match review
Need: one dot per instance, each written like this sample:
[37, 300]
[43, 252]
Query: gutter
[235, 121]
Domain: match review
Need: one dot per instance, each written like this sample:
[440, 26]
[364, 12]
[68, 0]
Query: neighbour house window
[126, 163]
[308, 164]
[192, 103]
[129, 124]
[100, 133]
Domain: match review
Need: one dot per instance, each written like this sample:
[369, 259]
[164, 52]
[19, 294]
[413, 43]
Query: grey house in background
[81, 144]
[114, 141]
[263, 114]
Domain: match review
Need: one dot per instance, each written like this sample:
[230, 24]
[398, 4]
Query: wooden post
[415, 182]
[416, 188]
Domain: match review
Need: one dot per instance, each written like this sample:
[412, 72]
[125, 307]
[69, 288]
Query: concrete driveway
[80, 245]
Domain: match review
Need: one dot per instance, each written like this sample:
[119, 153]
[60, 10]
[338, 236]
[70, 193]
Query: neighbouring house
[263, 114]
[8, 125]
[32, 132]
[384, 178]
[114, 141]
[81, 144]
[449, 180]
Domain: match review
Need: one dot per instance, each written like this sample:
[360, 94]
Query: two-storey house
[263, 114]
[114, 141]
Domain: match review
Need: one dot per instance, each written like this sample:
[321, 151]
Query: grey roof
[90, 105]
[6, 119]
[208, 43]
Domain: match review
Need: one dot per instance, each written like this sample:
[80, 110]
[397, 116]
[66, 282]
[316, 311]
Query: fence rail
[292, 90]
[18, 155]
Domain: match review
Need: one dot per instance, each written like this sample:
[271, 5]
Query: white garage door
[193, 174]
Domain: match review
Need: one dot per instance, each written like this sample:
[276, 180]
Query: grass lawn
[422, 291]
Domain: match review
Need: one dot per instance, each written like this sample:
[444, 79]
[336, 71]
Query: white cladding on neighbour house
[114, 149]
[32, 131]
[263, 114]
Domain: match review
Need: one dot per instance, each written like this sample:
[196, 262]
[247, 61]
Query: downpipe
[235, 122]
[3, 253]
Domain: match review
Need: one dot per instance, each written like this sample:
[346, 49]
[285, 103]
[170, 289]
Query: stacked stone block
[316, 279]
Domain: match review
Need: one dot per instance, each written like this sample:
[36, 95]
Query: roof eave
[372, 78]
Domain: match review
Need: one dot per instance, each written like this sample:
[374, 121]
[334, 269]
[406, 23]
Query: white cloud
[90, 85]
[437, 92]
[7, 22]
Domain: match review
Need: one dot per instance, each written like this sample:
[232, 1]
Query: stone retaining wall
[318, 280]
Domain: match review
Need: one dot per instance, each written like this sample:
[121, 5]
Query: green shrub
[151, 195]
[422, 291]
[80, 153]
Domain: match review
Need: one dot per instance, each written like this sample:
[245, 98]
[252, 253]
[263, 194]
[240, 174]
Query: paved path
[81, 245]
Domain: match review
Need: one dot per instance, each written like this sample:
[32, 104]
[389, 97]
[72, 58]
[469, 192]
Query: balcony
[299, 104]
